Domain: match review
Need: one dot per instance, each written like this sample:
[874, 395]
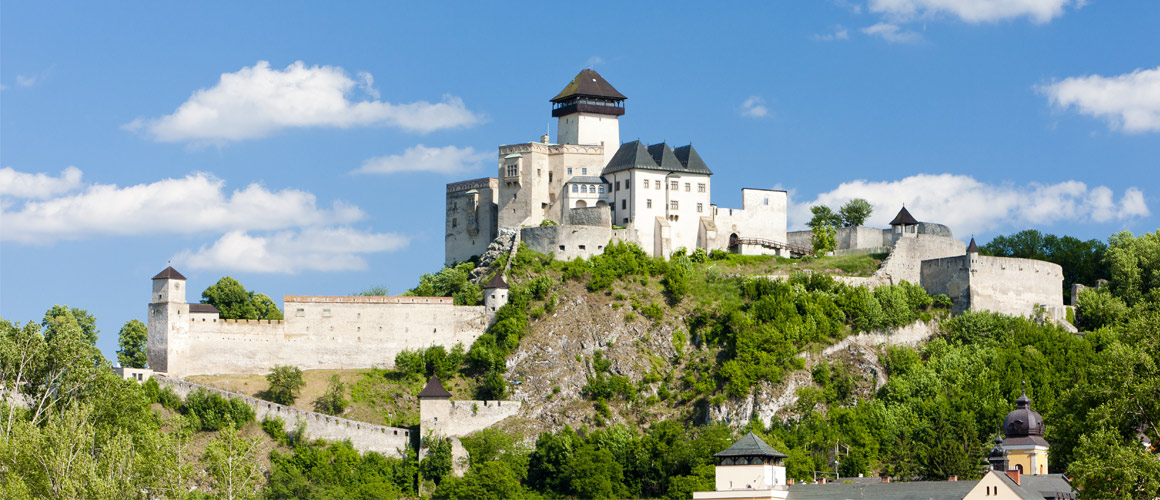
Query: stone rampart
[567, 242]
[950, 276]
[1016, 286]
[460, 418]
[322, 332]
[390, 441]
[905, 259]
[591, 216]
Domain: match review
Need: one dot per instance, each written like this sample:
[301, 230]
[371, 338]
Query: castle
[572, 197]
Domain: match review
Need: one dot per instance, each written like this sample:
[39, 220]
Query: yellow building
[1023, 438]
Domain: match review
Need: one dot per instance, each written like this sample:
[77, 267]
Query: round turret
[1023, 421]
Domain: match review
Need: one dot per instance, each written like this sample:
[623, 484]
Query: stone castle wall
[390, 441]
[905, 259]
[461, 418]
[567, 242]
[998, 284]
[319, 333]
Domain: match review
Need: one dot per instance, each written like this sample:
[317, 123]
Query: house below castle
[591, 189]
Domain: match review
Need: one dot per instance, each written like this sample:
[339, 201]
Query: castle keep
[592, 189]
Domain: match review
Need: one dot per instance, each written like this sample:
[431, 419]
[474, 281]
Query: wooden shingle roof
[904, 218]
[434, 389]
[589, 83]
[169, 273]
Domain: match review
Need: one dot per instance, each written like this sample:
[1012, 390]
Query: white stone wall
[471, 219]
[567, 242]
[685, 221]
[537, 191]
[1015, 286]
[590, 129]
[460, 418]
[763, 215]
[390, 441]
[905, 259]
[318, 333]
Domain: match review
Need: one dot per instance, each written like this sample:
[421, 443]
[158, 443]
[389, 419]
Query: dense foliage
[233, 301]
[1083, 262]
[450, 282]
[285, 384]
[131, 344]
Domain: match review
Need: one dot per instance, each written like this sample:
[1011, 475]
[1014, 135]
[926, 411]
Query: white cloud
[193, 204]
[973, 11]
[595, 60]
[754, 107]
[25, 185]
[420, 158]
[258, 101]
[970, 206]
[892, 33]
[840, 33]
[289, 252]
[25, 81]
[1129, 102]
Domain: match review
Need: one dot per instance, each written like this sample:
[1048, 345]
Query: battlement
[365, 299]
[484, 183]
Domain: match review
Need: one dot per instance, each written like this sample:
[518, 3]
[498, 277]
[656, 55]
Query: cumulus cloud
[420, 158]
[25, 81]
[840, 33]
[1128, 102]
[292, 251]
[754, 107]
[193, 204]
[595, 60]
[39, 185]
[892, 33]
[974, 11]
[258, 101]
[969, 206]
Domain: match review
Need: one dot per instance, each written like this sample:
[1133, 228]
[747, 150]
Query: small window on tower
[602, 189]
[688, 187]
[646, 183]
[583, 188]
[455, 222]
[672, 185]
[699, 207]
[658, 184]
[673, 205]
[584, 171]
[623, 204]
[575, 188]
[569, 170]
[767, 201]
[513, 170]
[618, 185]
[648, 203]
[700, 187]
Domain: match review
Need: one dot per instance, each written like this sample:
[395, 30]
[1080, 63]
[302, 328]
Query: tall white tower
[588, 110]
[168, 320]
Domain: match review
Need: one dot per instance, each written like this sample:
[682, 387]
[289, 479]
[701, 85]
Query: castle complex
[591, 190]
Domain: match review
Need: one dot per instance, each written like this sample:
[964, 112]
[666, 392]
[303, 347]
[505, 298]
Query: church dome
[1023, 421]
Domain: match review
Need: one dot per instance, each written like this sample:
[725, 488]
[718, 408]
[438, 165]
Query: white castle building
[596, 189]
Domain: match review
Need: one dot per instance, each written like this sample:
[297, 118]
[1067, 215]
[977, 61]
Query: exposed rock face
[502, 245]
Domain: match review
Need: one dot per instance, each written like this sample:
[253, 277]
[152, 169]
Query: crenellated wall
[447, 418]
[390, 441]
[905, 259]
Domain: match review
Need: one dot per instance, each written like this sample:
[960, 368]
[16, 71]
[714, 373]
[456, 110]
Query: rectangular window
[618, 185]
[699, 208]
[626, 220]
[513, 170]
[326, 313]
[584, 171]
[658, 184]
[569, 170]
[300, 312]
[700, 187]
[672, 185]
[648, 203]
[688, 187]
[454, 222]
[602, 189]
[767, 201]
[646, 183]
[673, 205]
[623, 204]
[583, 188]
[575, 188]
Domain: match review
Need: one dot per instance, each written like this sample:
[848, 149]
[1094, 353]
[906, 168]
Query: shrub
[411, 363]
[214, 412]
[653, 311]
[547, 223]
[285, 384]
[333, 401]
[942, 301]
[275, 428]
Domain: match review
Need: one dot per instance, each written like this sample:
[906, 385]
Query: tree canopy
[233, 301]
[1083, 262]
[131, 343]
[855, 212]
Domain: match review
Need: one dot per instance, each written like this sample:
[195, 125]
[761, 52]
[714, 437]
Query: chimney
[790, 481]
[544, 139]
[1014, 475]
[822, 481]
[953, 478]
[886, 479]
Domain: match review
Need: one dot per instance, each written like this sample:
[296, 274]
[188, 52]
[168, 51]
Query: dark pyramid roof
[750, 446]
[903, 218]
[169, 274]
[589, 83]
[691, 160]
[663, 155]
[631, 155]
[496, 282]
[972, 248]
[434, 389]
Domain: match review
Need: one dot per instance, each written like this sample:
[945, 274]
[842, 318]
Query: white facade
[590, 129]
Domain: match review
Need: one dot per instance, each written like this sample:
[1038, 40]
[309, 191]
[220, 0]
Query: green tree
[132, 344]
[231, 461]
[333, 400]
[58, 317]
[595, 473]
[285, 384]
[1107, 467]
[375, 291]
[678, 274]
[823, 216]
[1134, 265]
[437, 464]
[485, 480]
[233, 301]
[824, 239]
[855, 212]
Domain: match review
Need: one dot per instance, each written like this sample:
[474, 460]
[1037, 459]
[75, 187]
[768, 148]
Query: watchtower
[168, 318]
[588, 110]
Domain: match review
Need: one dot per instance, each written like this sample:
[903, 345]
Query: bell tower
[1023, 437]
[168, 321]
[588, 110]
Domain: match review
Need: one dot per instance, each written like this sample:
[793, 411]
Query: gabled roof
[1047, 485]
[203, 308]
[169, 273]
[496, 282]
[750, 446]
[631, 155]
[434, 389]
[972, 248]
[663, 155]
[913, 490]
[691, 160]
[589, 83]
[904, 218]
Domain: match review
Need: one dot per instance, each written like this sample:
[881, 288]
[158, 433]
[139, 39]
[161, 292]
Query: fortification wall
[461, 418]
[1015, 286]
[567, 242]
[905, 260]
[950, 276]
[390, 441]
[763, 216]
[591, 216]
[324, 333]
[801, 239]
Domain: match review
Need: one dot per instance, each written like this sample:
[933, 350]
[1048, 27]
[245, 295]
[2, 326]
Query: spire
[434, 389]
[904, 218]
[496, 282]
[972, 248]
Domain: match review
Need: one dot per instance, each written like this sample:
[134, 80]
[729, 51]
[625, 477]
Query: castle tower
[998, 456]
[1023, 430]
[904, 224]
[749, 466]
[434, 408]
[588, 109]
[168, 320]
[495, 294]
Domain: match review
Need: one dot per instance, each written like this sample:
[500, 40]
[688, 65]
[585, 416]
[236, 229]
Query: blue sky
[303, 148]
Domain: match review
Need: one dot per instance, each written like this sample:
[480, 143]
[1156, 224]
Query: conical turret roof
[904, 218]
[972, 248]
[434, 389]
[589, 83]
[496, 282]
